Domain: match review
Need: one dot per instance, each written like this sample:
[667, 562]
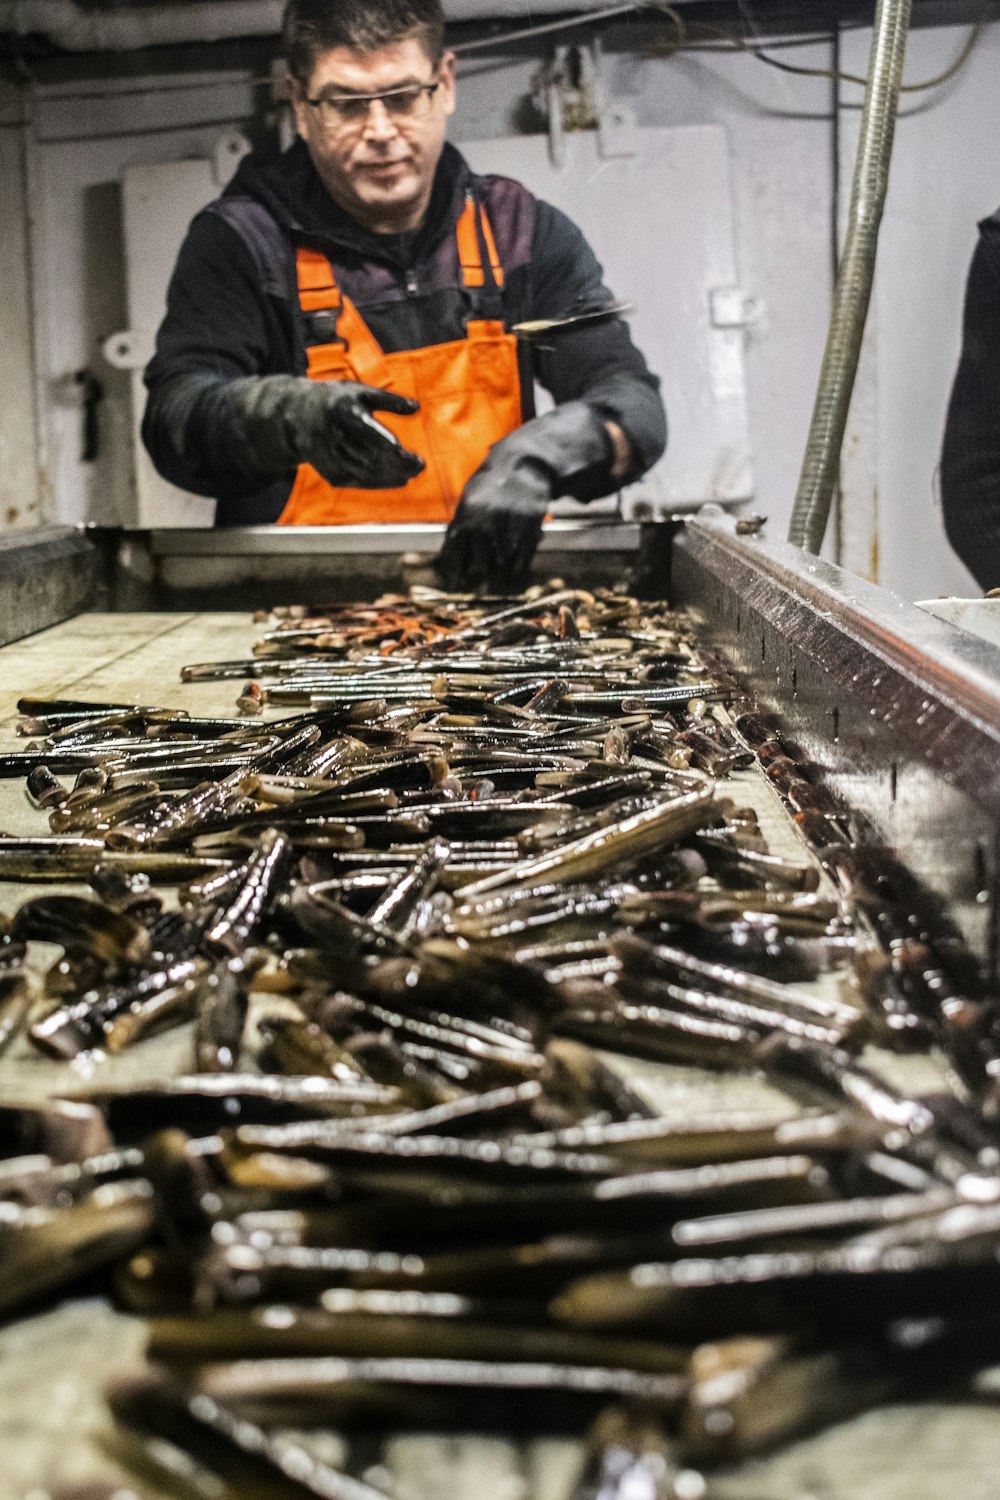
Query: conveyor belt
[52, 1367]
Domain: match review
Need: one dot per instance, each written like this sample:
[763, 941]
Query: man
[338, 346]
[970, 460]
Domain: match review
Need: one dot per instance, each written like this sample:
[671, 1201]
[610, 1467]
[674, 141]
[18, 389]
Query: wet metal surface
[899, 710]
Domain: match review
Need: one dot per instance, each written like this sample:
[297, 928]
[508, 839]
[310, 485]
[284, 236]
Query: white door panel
[661, 224]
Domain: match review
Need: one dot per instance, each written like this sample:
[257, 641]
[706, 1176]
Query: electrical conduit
[821, 464]
[127, 28]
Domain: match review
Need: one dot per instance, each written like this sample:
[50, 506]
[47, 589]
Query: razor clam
[231, 930]
[480, 1160]
[470, 1112]
[65, 1130]
[45, 789]
[60, 859]
[55, 1249]
[265, 1247]
[545, 835]
[424, 1080]
[154, 1013]
[15, 1004]
[81, 707]
[499, 1056]
[672, 960]
[97, 814]
[126, 891]
[78, 1026]
[446, 976]
[81, 925]
[649, 994]
[353, 1324]
[39, 1181]
[335, 928]
[836, 1073]
[527, 912]
[176, 935]
[654, 1032]
[305, 1049]
[72, 975]
[576, 1073]
[463, 1209]
[427, 1209]
[220, 1001]
[811, 1218]
[257, 1461]
[609, 848]
[184, 1174]
[627, 1457]
[267, 1384]
[213, 1100]
[712, 1139]
[396, 911]
[858, 1277]
[748, 1393]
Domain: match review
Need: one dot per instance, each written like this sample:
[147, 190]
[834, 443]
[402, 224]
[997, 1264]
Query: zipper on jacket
[411, 282]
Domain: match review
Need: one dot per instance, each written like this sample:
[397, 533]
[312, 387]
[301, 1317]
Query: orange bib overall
[469, 393]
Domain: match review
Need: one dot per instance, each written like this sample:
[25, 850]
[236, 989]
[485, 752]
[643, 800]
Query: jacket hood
[290, 189]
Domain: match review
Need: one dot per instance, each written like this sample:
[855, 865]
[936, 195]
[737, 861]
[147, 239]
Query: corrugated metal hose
[821, 464]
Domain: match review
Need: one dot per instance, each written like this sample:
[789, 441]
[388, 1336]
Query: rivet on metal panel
[122, 352]
[230, 149]
[732, 308]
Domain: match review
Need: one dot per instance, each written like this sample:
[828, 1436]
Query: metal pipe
[128, 28]
[821, 463]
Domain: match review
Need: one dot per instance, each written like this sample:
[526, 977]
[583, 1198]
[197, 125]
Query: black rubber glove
[272, 423]
[497, 526]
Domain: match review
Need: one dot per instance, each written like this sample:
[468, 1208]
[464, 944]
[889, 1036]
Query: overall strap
[335, 320]
[320, 297]
[477, 246]
[318, 289]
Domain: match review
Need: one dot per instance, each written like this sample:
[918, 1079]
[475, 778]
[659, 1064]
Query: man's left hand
[496, 529]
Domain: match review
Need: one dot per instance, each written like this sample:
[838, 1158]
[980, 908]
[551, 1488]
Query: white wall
[21, 499]
[781, 137]
[945, 177]
[781, 171]
[83, 137]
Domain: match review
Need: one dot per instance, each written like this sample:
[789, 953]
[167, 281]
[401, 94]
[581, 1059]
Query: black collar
[293, 191]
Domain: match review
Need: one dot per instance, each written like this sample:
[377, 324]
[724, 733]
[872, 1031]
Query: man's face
[377, 159]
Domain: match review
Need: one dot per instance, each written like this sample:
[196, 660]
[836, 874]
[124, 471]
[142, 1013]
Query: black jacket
[233, 311]
[970, 459]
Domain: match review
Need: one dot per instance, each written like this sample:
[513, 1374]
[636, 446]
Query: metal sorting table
[786, 634]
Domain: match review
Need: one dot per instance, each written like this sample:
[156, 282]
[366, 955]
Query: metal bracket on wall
[617, 133]
[731, 308]
[123, 351]
[129, 349]
[230, 149]
[617, 127]
[574, 95]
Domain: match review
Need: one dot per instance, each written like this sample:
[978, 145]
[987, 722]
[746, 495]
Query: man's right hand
[281, 421]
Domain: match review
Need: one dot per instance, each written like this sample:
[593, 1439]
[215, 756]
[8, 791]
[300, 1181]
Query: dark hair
[314, 26]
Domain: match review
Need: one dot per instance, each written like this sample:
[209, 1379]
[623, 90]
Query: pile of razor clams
[467, 900]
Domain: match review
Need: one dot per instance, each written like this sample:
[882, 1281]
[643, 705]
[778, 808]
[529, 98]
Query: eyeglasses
[408, 103]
